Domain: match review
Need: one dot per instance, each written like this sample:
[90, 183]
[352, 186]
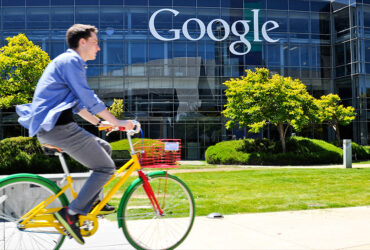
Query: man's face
[90, 47]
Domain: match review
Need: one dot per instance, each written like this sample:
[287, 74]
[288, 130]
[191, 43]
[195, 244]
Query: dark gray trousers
[90, 151]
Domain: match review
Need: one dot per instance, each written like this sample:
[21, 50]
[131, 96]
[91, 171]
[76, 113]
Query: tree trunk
[337, 133]
[282, 136]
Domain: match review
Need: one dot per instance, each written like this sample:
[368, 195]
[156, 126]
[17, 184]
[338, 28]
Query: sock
[71, 212]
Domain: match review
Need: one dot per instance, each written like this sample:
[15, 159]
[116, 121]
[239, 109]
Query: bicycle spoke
[21, 197]
[146, 229]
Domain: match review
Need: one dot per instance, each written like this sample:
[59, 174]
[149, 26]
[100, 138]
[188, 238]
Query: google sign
[267, 26]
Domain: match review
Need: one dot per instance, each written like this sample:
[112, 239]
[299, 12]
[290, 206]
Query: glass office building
[168, 58]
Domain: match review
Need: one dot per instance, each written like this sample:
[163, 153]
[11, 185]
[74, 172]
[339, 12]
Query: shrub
[360, 152]
[24, 155]
[300, 151]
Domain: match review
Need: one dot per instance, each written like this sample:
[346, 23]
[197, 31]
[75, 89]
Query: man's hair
[78, 31]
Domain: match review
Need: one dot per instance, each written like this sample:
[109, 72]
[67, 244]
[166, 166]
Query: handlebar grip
[136, 130]
[130, 132]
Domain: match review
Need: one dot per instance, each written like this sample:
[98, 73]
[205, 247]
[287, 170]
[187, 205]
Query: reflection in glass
[112, 51]
[208, 3]
[111, 17]
[111, 2]
[281, 17]
[86, 2]
[208, 14]
[61, 18]
[37, 3]
[136, 2]
[57, 48]
[320, 23]
[277, 4]
[37, 18]
[367, 50]
[186, 91]
[13, 18]
[112, 70]
[135, 70]
[339, 54]
[341, 20]
[160, 2]
[232, 3]
[185, 3]
[303, 5]
[111, 83]
[136, 52]
[320, 5]
[298, 22]
[13, 3]
[87, 15]
[137, 18]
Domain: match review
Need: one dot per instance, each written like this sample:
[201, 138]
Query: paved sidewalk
[340, 228]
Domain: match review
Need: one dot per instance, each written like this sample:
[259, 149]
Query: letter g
[241, 36]
[154, 31]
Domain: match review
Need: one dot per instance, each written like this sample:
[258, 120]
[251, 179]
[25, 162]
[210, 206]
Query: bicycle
[155, 212]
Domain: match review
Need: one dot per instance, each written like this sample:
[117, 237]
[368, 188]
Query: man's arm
[106, 115]
[85, 114]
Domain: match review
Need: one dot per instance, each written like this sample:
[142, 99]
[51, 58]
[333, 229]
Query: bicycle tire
[145, 229]
[18, 194]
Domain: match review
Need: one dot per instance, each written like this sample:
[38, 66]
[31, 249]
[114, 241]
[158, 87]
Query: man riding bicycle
[61, 91]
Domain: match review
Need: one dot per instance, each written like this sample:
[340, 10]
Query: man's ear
[81, 42]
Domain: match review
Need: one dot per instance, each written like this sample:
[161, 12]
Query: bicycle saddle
[50, 149]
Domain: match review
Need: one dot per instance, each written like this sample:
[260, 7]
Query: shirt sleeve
[75, 76]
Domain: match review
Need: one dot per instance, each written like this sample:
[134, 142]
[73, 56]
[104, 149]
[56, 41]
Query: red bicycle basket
[162, 153]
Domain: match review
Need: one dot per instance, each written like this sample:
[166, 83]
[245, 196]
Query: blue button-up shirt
[63, 85]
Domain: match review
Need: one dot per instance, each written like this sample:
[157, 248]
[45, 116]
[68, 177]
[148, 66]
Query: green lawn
[362, 162]
[267, 190]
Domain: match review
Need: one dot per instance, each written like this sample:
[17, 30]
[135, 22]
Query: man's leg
[94, 154]
[90, 151]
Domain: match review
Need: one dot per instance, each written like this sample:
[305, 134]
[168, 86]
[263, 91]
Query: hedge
[24, 155]
[300, 151]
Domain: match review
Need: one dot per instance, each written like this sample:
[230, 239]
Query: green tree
[257, 99]
[21, 66]
[335, 114]
[117, 108]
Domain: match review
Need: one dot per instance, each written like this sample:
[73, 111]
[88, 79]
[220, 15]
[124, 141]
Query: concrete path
[340, 228]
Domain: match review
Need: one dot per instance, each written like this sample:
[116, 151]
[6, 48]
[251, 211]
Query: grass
[268, 190]
[362, 162]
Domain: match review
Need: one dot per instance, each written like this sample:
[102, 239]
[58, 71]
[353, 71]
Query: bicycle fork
[149, 191]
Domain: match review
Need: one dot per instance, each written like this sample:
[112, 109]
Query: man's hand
[127, 124]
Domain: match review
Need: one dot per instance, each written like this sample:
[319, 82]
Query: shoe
[70, 223]
[107, 209]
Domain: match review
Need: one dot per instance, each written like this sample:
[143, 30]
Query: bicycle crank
[88, 225]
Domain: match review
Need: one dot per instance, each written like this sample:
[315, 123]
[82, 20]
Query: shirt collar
[84, 64]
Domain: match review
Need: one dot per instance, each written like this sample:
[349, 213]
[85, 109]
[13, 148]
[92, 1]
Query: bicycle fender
[39, 179]
[128, 190]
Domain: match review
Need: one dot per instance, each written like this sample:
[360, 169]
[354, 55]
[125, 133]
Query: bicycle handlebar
[129, 132]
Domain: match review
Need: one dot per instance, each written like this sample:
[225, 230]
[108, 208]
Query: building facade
[168, 58]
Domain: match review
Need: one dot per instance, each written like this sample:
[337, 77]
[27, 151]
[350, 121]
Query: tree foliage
[21, 65]
[257, 99]
[117, 108]
[334, 113]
